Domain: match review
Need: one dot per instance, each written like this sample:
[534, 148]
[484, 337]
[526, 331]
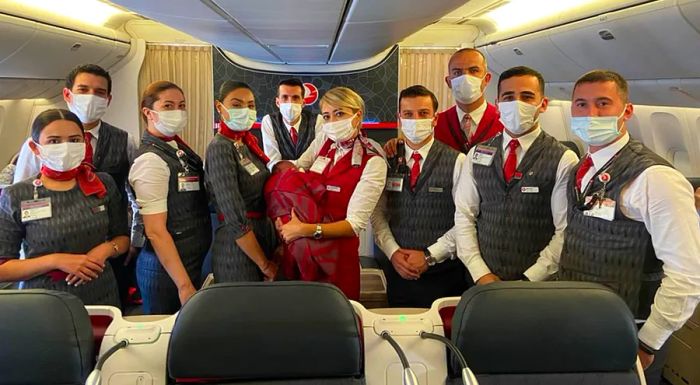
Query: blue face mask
[596, 130]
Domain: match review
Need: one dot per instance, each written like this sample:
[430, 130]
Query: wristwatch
[429, 257]
[318, 234]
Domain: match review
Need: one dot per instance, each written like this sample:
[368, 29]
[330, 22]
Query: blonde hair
[343, 97]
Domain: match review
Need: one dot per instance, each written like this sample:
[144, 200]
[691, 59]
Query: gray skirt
[100, 291]
[230, 263]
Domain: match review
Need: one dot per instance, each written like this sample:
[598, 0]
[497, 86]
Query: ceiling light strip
[221, 12]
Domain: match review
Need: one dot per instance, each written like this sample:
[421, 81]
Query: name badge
[394, 183]
[187, 182]
[35, 209]
[333, 188]
[98, 209]
[435, 189]
[249, 166]
[604, 209]
[530, 190]
[320, 164]
[483, 155]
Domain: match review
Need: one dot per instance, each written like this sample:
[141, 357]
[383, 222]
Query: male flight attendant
[511, 196]
[87, 93]
[632, 226]
[471, 120]
[288, 132]
[414, 219]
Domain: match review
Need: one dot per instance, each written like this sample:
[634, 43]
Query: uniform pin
[37, 183]
[604, 177]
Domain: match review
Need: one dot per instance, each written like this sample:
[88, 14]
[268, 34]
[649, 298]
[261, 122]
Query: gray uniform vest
[513, 227]
[418, 218]
[306, 133]
[111, 154]
[618, 253]
[188, 222]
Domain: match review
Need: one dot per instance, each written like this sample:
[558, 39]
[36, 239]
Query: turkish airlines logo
[311, 93]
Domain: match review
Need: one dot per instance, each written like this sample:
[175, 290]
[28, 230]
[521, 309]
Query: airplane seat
[46, 338]
[671, 140]
[545, 333]
[267, 333]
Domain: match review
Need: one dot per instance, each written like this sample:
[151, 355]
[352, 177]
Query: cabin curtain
[427, 67]
[191, 68]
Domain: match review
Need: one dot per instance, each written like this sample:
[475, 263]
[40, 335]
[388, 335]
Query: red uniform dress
[320, 198]
[448, 129]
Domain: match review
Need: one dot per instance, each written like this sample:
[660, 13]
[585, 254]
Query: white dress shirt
[444, 247]
[270, 145]
[663, 199]
[475, 117]
[29, 165]
[368, 189]
[467, 201]
[150, 178]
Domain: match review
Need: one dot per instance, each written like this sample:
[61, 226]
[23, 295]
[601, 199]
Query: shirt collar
[603, 156]
[95, 131]
[525, 141]
[423, 151]
[289, 126]
[476, 115]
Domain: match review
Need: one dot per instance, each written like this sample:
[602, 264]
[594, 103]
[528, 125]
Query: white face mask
[171, 123]
[416, 130]
[240, 119]
[340, 130]
[62, 156]
[88, 108]
[596, 130]
[466, 88]
[290, 111]
[518, 117]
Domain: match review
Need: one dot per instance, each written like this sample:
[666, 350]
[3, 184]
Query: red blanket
[306, 258]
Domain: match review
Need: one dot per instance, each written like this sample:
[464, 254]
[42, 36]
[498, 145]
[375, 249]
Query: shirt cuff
[439, 252]
[478, 268]
[653, 335]
[390, 248]
[153, 207]
[536, 272]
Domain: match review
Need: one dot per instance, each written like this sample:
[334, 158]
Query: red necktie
[415, 169]
[466, 126]
[582, 170]
[293, 134]
[511, 161]
[88, 147]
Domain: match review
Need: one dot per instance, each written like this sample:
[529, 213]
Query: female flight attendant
[235, 175]
[353, 173]
[167, 179]
[69, 220]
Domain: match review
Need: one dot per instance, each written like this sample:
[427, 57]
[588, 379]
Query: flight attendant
[511, 196]
[68, 219]
[414, 220]
[235, 177]
[353, 173]
[632, 225]
[287, 133]
[168, 181]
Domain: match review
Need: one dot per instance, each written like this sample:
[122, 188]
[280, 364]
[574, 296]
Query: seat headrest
[280, 330]
[46, 338]
[544, 327]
